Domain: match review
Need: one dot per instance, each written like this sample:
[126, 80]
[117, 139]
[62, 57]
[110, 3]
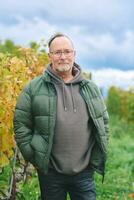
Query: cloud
[102, 31]
[107, 77]
[97, 15]
[105, 50]
[95, 50]
[27, 30]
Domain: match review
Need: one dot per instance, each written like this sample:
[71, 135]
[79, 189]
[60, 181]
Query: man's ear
[49, 56]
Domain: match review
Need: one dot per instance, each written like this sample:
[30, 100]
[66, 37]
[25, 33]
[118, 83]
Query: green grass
[119, 169]
[120, 165]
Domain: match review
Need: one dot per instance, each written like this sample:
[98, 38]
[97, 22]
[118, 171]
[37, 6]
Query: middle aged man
[61, 126]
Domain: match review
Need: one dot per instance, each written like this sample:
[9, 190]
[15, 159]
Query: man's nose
[62, 55]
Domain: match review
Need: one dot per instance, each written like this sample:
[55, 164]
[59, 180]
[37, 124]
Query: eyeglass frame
[69, 51]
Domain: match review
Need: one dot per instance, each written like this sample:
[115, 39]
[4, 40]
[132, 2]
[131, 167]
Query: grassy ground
[119, 178]
[118, 184]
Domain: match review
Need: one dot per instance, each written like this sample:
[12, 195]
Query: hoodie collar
[78, 78]
[76, 71]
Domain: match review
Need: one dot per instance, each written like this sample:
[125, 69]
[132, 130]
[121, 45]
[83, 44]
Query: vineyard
[17, 67]
[15, 72]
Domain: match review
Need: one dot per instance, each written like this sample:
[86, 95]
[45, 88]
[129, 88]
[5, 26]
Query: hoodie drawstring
[64, 100]
[73, 99]
[58, 80]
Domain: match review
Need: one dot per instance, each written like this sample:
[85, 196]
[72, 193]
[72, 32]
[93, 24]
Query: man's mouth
[63, 63]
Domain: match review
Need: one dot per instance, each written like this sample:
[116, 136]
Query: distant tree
[8, 46]
[38, 47]
[34, 45]
[87, 75]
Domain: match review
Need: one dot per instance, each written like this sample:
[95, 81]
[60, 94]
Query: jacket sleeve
[23, 124]
[106, 123]
[105, 115]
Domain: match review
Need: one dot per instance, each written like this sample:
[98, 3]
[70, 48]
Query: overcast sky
[102, 31]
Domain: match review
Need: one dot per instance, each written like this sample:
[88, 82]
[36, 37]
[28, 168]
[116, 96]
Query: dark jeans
[54, 186]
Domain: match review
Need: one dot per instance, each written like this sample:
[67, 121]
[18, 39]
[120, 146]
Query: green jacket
[35, 116]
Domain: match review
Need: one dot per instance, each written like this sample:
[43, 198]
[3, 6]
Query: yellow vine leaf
[15, 73]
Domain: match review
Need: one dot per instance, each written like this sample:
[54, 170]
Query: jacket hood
[59, 82]
[76, 71]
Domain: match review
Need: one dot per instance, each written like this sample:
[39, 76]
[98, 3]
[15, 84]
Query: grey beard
[64, 69]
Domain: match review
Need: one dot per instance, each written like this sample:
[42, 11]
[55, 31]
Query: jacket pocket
[98, 159]
[26, 151]
[40, 143]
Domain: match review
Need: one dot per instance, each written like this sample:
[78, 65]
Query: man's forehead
[61, 41]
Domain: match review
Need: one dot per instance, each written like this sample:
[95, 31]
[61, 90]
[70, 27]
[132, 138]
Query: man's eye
[58, 52]
[67, 52]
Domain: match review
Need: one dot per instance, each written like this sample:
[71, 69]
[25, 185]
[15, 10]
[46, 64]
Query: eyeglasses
[67, 53]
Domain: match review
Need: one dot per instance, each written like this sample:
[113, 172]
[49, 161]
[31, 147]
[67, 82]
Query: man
[61, 126]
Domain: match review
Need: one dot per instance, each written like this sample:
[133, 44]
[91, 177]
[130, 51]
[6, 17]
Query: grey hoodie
[73, 141]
